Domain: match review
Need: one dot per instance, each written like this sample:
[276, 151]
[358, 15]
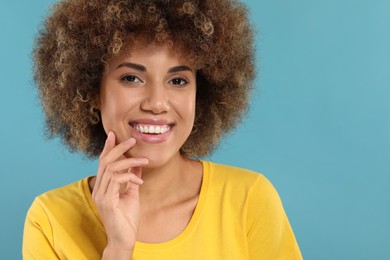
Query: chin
[156, 158]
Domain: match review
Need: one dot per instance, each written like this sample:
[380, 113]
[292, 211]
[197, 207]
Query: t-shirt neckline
[184, 234]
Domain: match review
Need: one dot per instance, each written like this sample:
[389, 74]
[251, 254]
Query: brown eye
[130, 79]
[178, 81]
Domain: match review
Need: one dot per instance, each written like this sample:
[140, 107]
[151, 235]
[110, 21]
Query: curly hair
[79, 36]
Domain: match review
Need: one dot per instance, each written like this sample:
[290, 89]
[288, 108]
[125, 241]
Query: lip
[151, 138]
[151, 122]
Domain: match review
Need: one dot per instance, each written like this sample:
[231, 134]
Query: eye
[179, 81]
[130, 79]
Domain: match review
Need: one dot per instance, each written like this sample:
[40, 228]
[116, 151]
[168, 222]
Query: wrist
[112, 252]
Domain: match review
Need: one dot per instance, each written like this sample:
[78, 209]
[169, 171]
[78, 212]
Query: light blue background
[319, 127]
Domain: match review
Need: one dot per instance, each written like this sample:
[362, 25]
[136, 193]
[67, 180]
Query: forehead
[150, 52]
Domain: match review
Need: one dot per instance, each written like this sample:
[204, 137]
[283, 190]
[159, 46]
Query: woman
[149, 86]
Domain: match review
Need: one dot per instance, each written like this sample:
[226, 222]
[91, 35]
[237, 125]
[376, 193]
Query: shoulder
[240, 177]
[55, 201]
[249, 197]
[68, 191]
[244, 186]
[240, 185]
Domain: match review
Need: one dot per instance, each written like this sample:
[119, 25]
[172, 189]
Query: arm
[37, 238]
[268, 230]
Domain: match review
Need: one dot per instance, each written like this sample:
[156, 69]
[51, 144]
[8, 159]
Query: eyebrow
[179, 68]
[132, 66]
[143, 68]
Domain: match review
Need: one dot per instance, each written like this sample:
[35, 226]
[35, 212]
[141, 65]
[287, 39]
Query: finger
[119, 167]
[118, 151]
[136, 170]
[118, 180]
[111, 154]
[129, 189]
[127, 165]
[108, 146]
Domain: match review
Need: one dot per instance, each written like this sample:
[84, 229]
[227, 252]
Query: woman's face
[149, 93]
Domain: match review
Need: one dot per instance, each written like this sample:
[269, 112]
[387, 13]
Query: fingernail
[130, 140]
[109, 135]
[144, 160]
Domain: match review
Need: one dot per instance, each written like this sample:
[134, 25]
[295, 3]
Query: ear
[95, 103]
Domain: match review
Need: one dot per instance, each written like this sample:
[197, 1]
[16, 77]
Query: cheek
[193, 106]
[187, 107]
[191, 110]
[111, 108]
[107, 118]
[189, 116]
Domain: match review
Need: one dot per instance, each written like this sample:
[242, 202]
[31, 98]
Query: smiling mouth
[151, 129]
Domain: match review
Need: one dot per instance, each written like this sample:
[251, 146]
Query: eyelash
[127, 79]
[134, 79]
[182, 81]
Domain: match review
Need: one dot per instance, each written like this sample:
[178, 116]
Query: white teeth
[152, 129]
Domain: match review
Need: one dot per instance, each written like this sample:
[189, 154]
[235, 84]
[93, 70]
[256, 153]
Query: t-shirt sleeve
[268, 230]
[37, 237]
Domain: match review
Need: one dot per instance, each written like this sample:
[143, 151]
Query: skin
[148, 83]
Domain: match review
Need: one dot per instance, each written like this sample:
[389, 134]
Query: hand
[116, 194]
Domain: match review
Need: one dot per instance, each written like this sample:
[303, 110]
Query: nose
[156, 99]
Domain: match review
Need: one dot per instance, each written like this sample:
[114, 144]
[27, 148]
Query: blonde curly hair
[79, 36]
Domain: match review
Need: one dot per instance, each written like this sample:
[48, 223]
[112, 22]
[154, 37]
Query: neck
[177, 179]
[162, 184]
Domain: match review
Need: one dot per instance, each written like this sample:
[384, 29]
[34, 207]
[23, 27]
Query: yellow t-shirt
[238, 216]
